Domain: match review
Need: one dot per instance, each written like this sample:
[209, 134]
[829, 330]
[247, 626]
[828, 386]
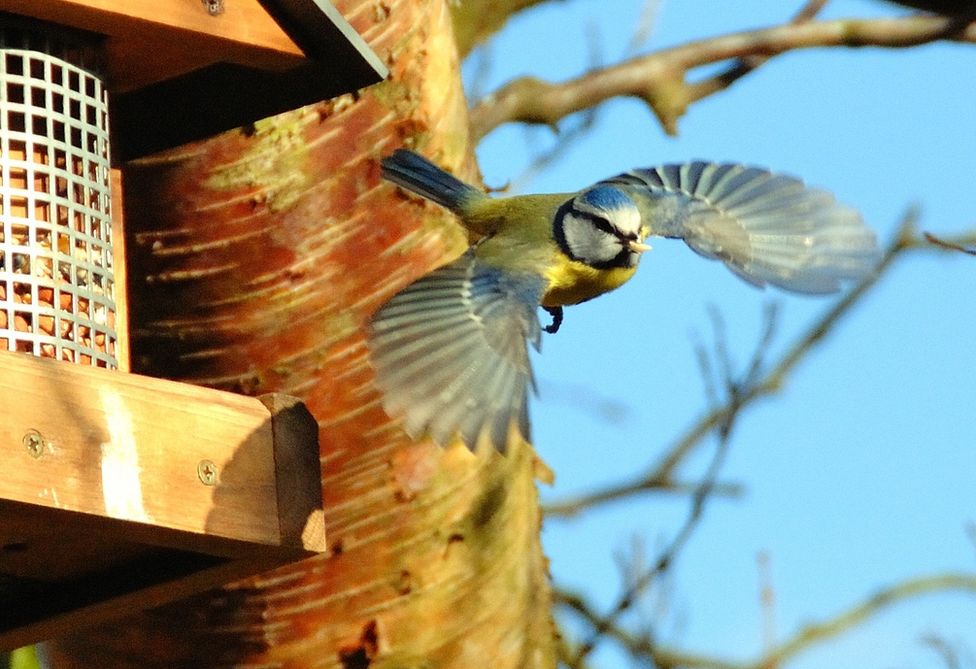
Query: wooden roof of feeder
[182, 70]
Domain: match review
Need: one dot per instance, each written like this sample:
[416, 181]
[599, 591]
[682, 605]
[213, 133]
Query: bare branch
[641, 582]
[659, 78]
[567, 139]
[743, 66]
[859, 613]
[770, 316]
[804, 639]
[565, 649]
[809, 11]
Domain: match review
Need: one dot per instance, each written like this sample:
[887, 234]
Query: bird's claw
[557, 319]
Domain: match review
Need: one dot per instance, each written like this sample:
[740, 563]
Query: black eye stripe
[598, 222]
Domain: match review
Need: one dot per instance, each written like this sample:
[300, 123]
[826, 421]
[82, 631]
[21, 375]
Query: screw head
[214, 7]
[207, 472]
[34, 443]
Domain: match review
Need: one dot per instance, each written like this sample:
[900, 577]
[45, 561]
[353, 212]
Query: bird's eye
[601, 224]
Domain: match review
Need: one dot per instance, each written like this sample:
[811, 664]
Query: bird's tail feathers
[415, 173]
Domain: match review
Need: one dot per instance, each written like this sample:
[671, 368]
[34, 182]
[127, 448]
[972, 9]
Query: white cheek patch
[628, 221]
[587, 242]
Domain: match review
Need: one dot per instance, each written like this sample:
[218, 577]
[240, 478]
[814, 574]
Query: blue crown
[605, 198]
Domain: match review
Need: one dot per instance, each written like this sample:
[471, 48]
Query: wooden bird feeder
[122, 492]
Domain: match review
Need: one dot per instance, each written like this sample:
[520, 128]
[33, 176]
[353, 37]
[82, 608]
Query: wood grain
[128, 447]
[152, 40]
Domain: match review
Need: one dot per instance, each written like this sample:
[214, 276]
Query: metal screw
[34, 443]
[214, 7]
[207, 471]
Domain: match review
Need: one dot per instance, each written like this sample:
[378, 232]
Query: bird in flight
[450, 350]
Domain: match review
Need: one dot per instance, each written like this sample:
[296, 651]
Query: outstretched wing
[450, 352]
[767, 228]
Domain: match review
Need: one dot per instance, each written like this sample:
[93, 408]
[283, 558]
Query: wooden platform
[121, 492]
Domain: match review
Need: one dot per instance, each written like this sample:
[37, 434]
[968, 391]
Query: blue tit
[450, 350]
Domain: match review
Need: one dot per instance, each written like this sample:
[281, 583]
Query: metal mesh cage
[57, 286]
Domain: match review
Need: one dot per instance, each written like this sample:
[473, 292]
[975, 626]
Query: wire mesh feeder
[57, 285]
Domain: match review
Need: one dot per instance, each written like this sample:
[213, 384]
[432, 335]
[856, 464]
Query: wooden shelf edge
[106, 513]
[134, 448]
[297, 472]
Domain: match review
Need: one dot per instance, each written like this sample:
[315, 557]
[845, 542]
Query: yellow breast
[572, 282]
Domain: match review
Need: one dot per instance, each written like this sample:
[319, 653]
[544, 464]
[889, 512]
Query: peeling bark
[256, 258]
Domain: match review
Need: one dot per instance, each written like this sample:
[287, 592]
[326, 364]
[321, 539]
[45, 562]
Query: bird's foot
[557, 319]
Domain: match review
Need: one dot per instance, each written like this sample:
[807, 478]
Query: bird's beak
[638, 247]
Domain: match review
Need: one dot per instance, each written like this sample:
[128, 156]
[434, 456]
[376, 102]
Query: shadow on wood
[124, 492]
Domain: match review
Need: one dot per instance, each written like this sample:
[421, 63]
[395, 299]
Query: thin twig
[570, 507]
[945, 651]
[746, 64]
[950, 246]
[642, 581]
[565, 650]
[567, 138]
[770, 318]
[644, 28]
[857, 614]
[722, 356]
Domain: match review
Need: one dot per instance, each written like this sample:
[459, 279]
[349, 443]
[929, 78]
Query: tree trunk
[256, 258]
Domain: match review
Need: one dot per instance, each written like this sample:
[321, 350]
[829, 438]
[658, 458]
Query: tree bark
[255, 260]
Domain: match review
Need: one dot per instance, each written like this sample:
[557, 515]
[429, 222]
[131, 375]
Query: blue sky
[862, 471]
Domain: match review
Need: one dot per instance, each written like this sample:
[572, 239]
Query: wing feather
[767, 228]
[450, 352]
